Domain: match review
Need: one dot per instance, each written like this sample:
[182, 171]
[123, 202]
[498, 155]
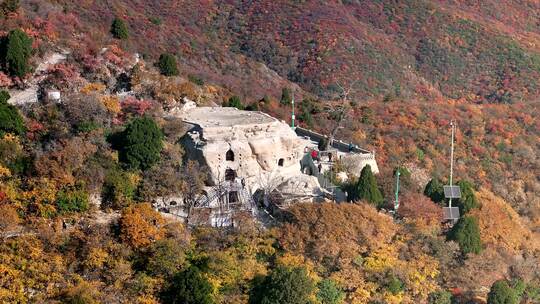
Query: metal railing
[338, 144]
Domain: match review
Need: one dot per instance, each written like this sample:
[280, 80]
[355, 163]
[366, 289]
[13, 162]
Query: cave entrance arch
[229, 156]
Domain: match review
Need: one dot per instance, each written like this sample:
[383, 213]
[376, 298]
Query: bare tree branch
[343, 108]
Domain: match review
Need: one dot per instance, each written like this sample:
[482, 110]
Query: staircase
[217, 200]
[332, 190]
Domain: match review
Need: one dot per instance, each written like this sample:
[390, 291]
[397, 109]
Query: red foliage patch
[131, 106]
[5, 80]
[62, 74]
[34, 128]
[417, 206]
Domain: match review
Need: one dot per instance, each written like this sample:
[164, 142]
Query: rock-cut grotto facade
[245, 145]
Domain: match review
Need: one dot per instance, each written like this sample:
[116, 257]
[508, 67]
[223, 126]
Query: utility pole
[292, 115]
[453, 125]
[396, 202]
[451, 191]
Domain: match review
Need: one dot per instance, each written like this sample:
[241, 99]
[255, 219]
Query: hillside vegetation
[483, 52]
[78, 176]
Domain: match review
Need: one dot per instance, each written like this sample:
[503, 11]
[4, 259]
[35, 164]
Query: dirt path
[30, 94]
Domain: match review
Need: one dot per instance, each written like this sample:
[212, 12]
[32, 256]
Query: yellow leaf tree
[141, 225]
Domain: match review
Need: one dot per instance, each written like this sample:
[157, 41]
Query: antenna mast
[451, 191]
[453, 125]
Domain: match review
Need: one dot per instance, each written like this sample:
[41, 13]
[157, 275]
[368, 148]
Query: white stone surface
[26, 96]
[303, 186]
[187, 105]
[356, 162]
[342, 176]
[54, 95]
[262, 145]
[50, 61]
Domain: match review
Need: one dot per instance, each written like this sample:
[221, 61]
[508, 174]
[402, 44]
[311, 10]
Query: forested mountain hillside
[478, 50]
[88, 146]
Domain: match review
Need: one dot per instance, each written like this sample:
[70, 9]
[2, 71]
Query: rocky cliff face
[251, 144]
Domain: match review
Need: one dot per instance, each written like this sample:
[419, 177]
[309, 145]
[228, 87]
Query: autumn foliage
[331, 240]
[501, 226]
[141, 225]
[420, 209]
[75, 222]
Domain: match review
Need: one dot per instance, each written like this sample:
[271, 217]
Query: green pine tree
[519, 287]
[141, 143]
[467, 234]
[440, 297]
[4, 96]
[403, 172]
[72, 199]
[234, 102]
[253, 106]
[434, 190]
[10, 119]
[17, 51]
[468, 201]
[366, 188]
[286, 96]
[323, 144]
[306, 109]
[119, 29]
[167, 65]
[329, 292]
[189, 287]
[118, 189]
[502, 293]
[284, 286]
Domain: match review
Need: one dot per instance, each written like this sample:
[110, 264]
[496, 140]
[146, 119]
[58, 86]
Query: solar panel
[452, 192]
[451, 213]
